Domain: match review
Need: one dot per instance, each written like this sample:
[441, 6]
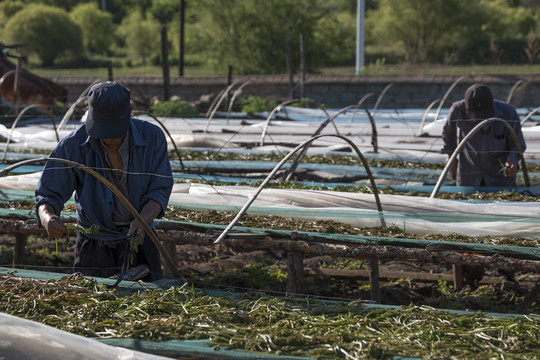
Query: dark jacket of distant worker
[132, 155]
[490, 157]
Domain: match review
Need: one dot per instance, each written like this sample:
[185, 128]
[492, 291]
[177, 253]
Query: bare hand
[511, 168]
[54, 225]
[149, 212]
[134, 226]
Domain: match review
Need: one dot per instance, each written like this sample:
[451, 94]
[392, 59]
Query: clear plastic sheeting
[416, 215]
[435, 128]
[412, 214]
[26, 182]
[23, 339]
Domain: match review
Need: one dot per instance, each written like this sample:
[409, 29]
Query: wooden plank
[395, 274]
[356, 252]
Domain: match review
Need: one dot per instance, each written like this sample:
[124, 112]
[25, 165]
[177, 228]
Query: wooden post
[229, 82]
[302, 65]
[529, 299]
[295, 273]
[165, 63]
[457, 271]
[18, 251]
[170, 247]
[110, 70]
[182, 36]
[16, 87]
[374, 280]
[289, 68]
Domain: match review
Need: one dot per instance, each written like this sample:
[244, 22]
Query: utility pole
[361, 11]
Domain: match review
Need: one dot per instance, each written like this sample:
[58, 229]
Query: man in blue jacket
[132, 155]
[490, 157]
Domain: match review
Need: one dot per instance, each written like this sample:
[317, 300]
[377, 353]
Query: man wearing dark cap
[490, 157]
[132, 155]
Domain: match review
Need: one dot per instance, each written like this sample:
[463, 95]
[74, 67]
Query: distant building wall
[403, 91]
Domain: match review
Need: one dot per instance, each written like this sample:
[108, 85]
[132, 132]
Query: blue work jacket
[149, 177]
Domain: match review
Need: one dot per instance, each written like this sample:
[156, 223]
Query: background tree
[7, 10]
[251, 35]
[48, 31]
[335, 38]
[508, 27]
[63, 4]
[423, 29]
[141, 36]
[451, 31]
[165, 11]
[96, 25]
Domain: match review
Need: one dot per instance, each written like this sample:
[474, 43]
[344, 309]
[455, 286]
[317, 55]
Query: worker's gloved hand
[511, 168]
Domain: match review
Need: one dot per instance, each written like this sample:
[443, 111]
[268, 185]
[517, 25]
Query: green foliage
[140, 35]
[450, 31]
[96, 25]
[256, 104]
[62, 4]
[252, 36]
[335, 36]
[48, 31]
[8, 9]
[173, 108]
[165, 10]
[426, 30]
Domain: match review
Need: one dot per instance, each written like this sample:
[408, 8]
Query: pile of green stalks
[280, 326]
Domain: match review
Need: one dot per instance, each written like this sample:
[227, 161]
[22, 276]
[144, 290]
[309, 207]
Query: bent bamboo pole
[317, 132]
[14, 125]
[168, 134]
[424, 117]
[464, 141]
[276, 109]
[123, 199]
[529, 115]
[447, 93]
[221, 98]
[283, 161]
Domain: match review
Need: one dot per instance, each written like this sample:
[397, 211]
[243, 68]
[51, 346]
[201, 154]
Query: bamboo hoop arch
[216, 107]
[276, 109]
[168, 134]
[529, 115]
[283, 161]
[317, 132]
[424, 117]
[17, 119]
[235, 94]
[447, 93]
